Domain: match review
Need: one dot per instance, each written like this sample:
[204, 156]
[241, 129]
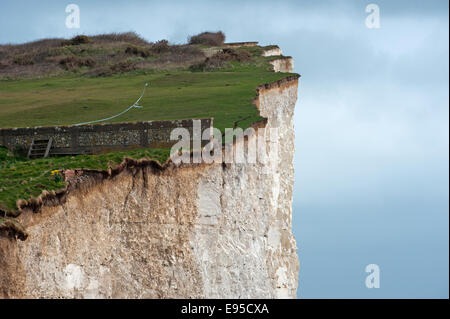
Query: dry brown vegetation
[221, 59]
[73, 62]
[208, 38]
[98, 55]
[79, 39]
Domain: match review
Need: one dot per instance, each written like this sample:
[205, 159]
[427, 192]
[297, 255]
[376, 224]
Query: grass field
[225, 95]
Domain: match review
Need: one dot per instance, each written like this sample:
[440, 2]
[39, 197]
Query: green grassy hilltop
[225, 95]
[61, 82]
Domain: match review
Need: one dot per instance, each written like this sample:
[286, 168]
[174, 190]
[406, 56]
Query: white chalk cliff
[177, 231]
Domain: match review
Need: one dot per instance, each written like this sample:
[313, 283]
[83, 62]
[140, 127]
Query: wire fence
[135, 105]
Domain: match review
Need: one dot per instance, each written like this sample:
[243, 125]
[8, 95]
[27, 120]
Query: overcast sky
[372, 131]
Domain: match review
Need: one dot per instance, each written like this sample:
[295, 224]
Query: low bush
[98, 54]
[79, 39]
[161, 46]
[137, 50]
[73, 62]
[123, 67]
[234, 55]
[129, 37]
[24, 59]
[208, 38]
[221, 59]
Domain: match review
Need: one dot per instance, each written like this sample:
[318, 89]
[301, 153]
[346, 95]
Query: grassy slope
[224, 94]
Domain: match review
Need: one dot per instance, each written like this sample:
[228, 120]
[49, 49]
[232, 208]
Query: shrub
[23, 60]
[220, 60]
[54, 56]
[137, 50]
[160, 46]
[234, 55]
[123, 67]
[208, 38]
[129, 37]
[57, 177]
[79, 39]
[73, 62]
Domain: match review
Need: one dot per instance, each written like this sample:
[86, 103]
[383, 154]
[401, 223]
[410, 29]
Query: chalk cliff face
[275, 50]
[285, 64]
[144, 231]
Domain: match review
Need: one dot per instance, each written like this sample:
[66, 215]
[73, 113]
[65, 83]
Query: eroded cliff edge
[192, 231]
